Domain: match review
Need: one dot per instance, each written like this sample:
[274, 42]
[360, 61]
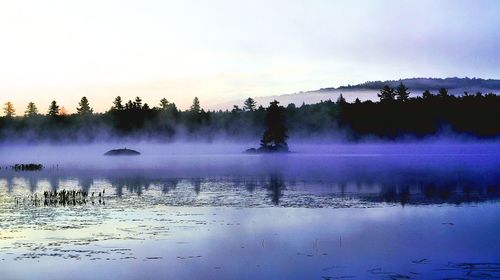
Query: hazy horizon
[355, 156]
[221, 50]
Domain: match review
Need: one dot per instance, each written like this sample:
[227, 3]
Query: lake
[207, 211]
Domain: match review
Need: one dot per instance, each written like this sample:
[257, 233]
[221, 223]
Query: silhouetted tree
[236, 109]
[341, 99]
[249, 104]
[117, 104]
[84, 108]
[137, 103]
[9, 110]
[129, 105]
[53, 109]
[427, 94]
[168, 107]
[386, 94]
[164, 104]
[443, 93]
[402, 93]
[472, 114]
[31, 110]
[195, 115]
[195, 107]
[274, 138]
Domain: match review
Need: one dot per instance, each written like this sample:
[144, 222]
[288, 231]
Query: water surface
[184, 212]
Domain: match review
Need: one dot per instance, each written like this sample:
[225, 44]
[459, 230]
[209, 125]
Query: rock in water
[122, 152]
[282, 149]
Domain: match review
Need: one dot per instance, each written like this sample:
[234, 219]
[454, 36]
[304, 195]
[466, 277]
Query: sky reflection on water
[295, 217]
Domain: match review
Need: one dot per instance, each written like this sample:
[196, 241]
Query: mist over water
[358, 169]
[156, 155]
[158, 141]
[184, 210]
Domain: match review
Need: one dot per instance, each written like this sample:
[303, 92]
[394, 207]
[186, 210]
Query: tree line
[394, 115]
[133, 119]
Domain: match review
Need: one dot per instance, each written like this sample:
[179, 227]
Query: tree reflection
[430, 187]
[276, 186]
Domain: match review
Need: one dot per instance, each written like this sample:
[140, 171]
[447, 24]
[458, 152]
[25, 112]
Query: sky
[224, 50]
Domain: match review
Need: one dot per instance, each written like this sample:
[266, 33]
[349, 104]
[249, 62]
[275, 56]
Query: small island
[274, 138]
[122, 152]
[27, 167]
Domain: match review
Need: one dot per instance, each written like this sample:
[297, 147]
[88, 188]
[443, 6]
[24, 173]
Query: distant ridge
[369, 91]
[427, 83]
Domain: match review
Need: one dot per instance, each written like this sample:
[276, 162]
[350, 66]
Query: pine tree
[427, 94]
[9, 110]
[117, 104]
[84, 108]
[195, 108]
[274, 138]
[129, 105]
[249, 104]
[443, 93]
[31, 110]
[386, 94]
[164, 104]
[138, 103]
[402, 93]
[236, 109]
[53, 109]
[341, 100]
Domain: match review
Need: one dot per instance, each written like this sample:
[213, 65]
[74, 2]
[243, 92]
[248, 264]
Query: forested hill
[369, 90]
[428, 84]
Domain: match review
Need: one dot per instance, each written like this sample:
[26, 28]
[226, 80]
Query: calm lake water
[209, 212]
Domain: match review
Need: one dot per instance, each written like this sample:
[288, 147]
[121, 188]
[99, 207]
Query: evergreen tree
[249, 104]
[236, 109]
[31, 110]
[164, 104]
[402, 93]
[53, 109]
[84, 108]
[195, 114]
[117, 103]
[173, 108]
[9, 110]
[169, 108]
[427, 94]
[195, 108]
[274, 138]
[386, 94]
[129, 105]
[341, 99]
[443, 93]
[138, 103]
